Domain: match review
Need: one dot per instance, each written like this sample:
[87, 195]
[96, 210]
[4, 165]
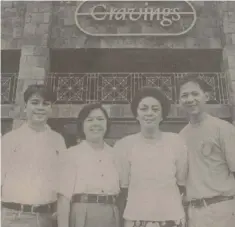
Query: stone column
[34, 61]
[226, 10]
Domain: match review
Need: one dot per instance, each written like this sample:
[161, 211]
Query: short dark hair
[83, 114]
[40, 89]
[151, 92]
[197, 80]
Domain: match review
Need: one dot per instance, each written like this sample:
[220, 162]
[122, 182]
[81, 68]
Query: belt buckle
[107, 198]
[84, 198]
[21, 208]
[114, 199]
[199, 203]
[49, 206]
[193, 203]
[204, 203]
[97, 199]
[32, 209]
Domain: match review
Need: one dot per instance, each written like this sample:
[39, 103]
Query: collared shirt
[30, 165]
[151, 172]
[85, 170]
[211, 147]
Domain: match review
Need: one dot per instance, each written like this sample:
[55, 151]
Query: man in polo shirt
[29, 165]
[210, 185]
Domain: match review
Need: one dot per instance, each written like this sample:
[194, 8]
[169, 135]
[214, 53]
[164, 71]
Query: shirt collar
[25, 127]
[90, 149]
[203, 120]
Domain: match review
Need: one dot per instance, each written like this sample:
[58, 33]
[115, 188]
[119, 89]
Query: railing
[8, 87]
[119, 88]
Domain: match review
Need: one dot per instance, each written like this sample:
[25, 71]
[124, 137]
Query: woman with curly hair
[152, 166]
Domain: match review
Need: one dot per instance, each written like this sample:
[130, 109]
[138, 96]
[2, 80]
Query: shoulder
[108, 148]
[12, 136]
[123, 147]
[127, 140]
[57, 140]
[221, 125]
[174, 138]
[184, 130]
[171, 135]
[9, 135]
[71, 155]
[57, 136]
[74, 150]
[177, 144]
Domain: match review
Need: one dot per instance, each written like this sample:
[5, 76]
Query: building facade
[106, 57]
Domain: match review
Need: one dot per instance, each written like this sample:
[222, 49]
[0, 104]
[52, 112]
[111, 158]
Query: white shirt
[211, 147]
[85, 170]
[151, 171]
[30, 165]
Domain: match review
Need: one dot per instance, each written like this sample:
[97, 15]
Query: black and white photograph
[118, 113]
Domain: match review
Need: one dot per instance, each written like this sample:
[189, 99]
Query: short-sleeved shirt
[211, 146]
[30, 165]
[89, 171]
[151, 171]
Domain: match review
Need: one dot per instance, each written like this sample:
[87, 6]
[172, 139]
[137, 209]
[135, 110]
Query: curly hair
[154, 93]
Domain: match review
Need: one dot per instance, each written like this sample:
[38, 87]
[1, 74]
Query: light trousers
[221, 214]
[94, 215]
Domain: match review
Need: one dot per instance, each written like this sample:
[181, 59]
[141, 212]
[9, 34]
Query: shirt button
[102, 175]
[99, 160]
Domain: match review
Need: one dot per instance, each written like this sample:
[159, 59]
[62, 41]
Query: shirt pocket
[209, 148]
[206, 148]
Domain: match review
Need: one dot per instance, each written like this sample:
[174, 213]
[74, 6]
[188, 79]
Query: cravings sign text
[135, 18]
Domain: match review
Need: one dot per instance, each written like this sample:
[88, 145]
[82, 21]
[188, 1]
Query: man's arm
[63, 210]
[121, 203]
[8, 146]
[181, 164]
[59, 143]
[227, 142]
[123, 167]
[66, 185]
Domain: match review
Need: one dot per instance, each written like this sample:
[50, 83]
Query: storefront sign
[135, 18]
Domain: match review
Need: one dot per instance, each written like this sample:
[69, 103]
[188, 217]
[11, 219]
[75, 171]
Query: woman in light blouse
[89, 182]
[152, 166]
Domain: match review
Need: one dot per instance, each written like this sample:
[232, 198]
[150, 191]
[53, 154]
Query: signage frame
[194, 13]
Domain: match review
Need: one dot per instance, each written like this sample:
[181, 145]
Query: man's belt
[45, 208]
[179, 223]
[91, 198]
[198, 203]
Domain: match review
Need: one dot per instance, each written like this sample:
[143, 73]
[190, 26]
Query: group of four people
[142, 179]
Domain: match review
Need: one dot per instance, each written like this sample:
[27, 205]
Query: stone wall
[34, 61]
[205, 33]
[35, 27]
[12, 24]
[65, 34]
[226, 11]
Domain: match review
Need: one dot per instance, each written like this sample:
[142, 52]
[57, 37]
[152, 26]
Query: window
[10, 61]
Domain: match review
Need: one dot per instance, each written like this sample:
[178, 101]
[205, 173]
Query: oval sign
[135, 18]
